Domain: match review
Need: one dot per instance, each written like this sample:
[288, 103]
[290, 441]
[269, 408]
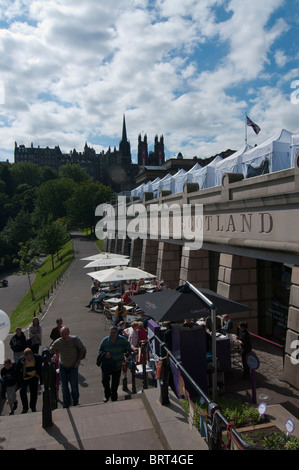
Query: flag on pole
[254, 126]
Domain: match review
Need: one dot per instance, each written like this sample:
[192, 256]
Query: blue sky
[187, 69]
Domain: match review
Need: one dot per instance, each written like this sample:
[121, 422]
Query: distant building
[150, 171]
[113, 168]
[155, 158]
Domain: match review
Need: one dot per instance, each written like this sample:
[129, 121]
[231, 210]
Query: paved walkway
[94, 425]
[123, 425]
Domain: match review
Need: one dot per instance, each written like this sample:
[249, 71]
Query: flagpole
[245, 129]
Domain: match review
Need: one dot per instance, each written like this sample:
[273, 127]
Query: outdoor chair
[108, 318]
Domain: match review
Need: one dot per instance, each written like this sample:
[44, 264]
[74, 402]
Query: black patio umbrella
[183, 302]
[189, 302]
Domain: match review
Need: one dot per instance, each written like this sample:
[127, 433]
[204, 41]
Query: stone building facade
[113, 167]
[249, 252]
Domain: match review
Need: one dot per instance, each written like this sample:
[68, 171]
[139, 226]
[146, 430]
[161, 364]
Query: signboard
[252, 361]
[290, 426]
[262, 408]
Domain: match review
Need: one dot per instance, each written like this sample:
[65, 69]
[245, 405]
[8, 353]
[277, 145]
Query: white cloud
[280, 58]
[71, 69]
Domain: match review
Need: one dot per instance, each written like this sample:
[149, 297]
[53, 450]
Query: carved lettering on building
[261, 222]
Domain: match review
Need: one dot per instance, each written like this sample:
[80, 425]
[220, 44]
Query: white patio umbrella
[103, 255]
[107, 262]
[120, 273]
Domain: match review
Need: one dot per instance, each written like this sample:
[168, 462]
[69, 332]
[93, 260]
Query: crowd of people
[99, 295]
[24, 372]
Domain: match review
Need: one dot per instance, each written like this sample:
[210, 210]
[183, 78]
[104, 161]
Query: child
[142, 333]
[8, 377]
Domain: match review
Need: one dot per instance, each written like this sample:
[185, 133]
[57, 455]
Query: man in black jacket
[28, 373]
[18, 344]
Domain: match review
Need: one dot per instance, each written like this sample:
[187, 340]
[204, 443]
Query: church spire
[124, 134]
[124, 145]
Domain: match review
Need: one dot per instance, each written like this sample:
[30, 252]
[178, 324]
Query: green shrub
[292, 443]
[275, 441]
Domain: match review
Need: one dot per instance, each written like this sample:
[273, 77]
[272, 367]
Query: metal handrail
[211, 405]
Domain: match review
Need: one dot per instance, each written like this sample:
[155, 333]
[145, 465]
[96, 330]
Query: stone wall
[238, 281]
[291, 358]
[168, 264]
[195, 267]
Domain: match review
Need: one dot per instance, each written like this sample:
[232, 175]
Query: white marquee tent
[153, 184]
[272, 155]
[275, 154]
[176, 180]
[231, 164]
[147, 186]
[163, 184]
[205, 177]
[138, 192]
[156, 186]
[295, 148]
[184, 178]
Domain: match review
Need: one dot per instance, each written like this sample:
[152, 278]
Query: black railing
[214, 417]
[49, 388]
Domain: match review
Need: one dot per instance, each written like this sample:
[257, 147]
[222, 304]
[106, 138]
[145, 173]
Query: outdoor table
[131, 318]
[128, 308]
[148, 287]
[113, 295]
[112, 301]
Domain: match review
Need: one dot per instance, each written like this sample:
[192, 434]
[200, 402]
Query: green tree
[52, 237]
[82, 204]
[5, 176]
[4, 200]
[19, 229]
[50, 199]
[25, 173]
[48, 173]
[24, 198]
[27, 263]
[74, 171]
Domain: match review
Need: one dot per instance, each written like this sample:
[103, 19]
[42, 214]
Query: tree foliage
[52, 236]
[31, 196]
[27, 263]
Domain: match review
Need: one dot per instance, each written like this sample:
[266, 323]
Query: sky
[189, 70]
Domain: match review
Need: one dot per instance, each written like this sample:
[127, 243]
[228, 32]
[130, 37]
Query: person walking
[70, 350]
[142, 333]
[245, 342]
[110, 358]
[35, 335]
[55, 333]
[8, 379]
[131, 334]
[28, 373]
[18, 344]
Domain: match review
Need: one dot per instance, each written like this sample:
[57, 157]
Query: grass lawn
[43, 284]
